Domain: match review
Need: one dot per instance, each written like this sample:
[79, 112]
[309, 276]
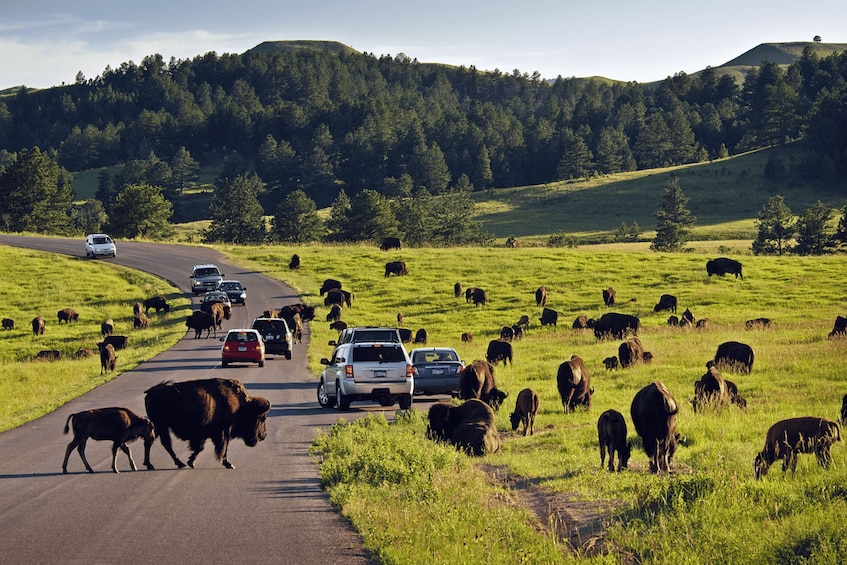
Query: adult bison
[839, 329]
[199, 321]
[666, 302]
[549, 317]
[469, 426]
[722, 266]
[609, 297]
[38, 325]
[108, 359]
[457, 289]
[611, 435]
[613, 324]
[711, 389]
[67, 315]
[499, 350]
[396, 268]
[631, 352]
[390, 243]
[215, 409]
[734, 355]
[157, 302]
[338, 296]
[788, 438]
[574, 384]
[116, 341]
[107, 327]
[541, 296]
[479, 297]
[583, 322]
[294, 264]
[654, 414]
[8, 324]
[328, 285]
[477, 381]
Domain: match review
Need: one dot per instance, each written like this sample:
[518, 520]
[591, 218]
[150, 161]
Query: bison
[654, 414]
[469, 426]
[844, 410]
[666, 302]
[631, 352]
[711, 389]
[334, 313]
[479, 297]
[549, 317]
[616, 325]
[338, 325]
[574, 384]
[294, 264]
[611, 434]
[477, 381]
[199, 321]
[48, 355]
[390, 243]
[120, 425]
[507, 333]
[583, 322]
[541, 296]
[722, 266]
[108, 359]
[157, 302]
[421, 336]
[328, 285]
[140, 321]
[499, 350]
[761, 323]
[67, 315]
[405, 334]
[609, 297]
[839, 329]
[611, 363]
[467, 337]
[734, 355]
[523, 321]
[8, 324]
[469, 292]
[526, 407]
[788, 438]
[396, 268]
[107, 327]
[116, 341]
[216, 409]
[457, 289]
[38, 325]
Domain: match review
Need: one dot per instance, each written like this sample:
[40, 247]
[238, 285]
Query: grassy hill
[783, 54]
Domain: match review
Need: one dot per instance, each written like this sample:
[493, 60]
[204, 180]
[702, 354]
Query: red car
[243, 345]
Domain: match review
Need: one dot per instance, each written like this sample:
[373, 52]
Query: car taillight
[410, 371]
[459, 369]
[348, 371]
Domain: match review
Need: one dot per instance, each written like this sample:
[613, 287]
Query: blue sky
[45, 43]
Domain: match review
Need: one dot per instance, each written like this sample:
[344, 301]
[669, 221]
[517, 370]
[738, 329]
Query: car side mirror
[331, 342]
[324, 361]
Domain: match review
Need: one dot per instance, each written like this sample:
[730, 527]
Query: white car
[99, 245]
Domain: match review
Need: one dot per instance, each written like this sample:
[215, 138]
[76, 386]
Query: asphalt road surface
[269, 509]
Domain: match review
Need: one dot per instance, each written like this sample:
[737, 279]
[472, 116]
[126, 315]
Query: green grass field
[798, 371]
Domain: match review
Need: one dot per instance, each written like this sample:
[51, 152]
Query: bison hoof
[228, 465]
[150, 466]
[180, 464]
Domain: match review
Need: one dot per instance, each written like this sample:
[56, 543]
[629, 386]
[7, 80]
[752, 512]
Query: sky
[46, 43]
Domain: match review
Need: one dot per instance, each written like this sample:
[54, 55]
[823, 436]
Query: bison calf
[788, 438]
[611, 434]
[120, 425]
[526, 407]
[108, 359]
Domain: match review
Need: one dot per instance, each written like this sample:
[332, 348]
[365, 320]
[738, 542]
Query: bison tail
[68, 422]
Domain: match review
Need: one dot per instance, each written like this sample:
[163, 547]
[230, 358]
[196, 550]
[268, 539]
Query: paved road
[269, 509]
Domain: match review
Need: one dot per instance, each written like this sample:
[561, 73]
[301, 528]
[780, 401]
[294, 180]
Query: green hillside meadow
[708, 510]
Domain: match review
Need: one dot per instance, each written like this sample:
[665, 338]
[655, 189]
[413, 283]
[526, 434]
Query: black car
[276, 335]
[437, 370]
[234, 289]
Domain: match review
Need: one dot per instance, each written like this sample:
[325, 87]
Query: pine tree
[35, 194]
[673, 219]
[140, 210]
[296, 219]
[775, 227]
[812, 238]
[237, 215]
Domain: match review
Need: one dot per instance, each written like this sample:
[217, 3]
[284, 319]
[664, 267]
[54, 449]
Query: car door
[333, 371]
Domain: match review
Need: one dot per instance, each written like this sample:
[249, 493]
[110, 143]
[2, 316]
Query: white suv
[205, 278]
[369, 371]
[99, 245]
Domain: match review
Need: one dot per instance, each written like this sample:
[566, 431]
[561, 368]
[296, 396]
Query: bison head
[440, 426]
[250, 421]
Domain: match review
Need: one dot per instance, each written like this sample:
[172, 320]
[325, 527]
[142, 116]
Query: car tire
[224, 364]
[288, 354]
[324, 399]
[261, 363]
[405, 401]
[341, 400]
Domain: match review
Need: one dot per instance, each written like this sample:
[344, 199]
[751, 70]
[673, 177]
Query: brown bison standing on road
[216, 409]
[654, 414]
[574, 384]
[788, 438]
[611, 434]
[199, 321]
[469, 426]
[120, 425]
[396, 268]
[526, 407]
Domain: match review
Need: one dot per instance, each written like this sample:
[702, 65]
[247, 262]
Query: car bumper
[437, 385]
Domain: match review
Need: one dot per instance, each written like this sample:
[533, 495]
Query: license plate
[438, 371]
[380, 374]
[242, 348]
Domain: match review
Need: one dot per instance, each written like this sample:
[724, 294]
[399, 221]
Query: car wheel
[387, 401]
[224, 364]
[324, 399]
[262, 363]
[288, 354]
[405, 401]
[341, 400]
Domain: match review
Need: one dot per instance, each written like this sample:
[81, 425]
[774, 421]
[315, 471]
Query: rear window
[242, 336]
[434, 356]
[270, 326]
[378, 354]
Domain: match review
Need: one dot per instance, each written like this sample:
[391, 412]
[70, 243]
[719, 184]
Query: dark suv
[276, 335]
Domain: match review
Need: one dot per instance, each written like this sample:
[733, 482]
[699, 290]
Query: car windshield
[378, 353]
[231, 286]
[375, 335]
[101, 240]
[435, 356]
[242, 336]
[206, 273]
